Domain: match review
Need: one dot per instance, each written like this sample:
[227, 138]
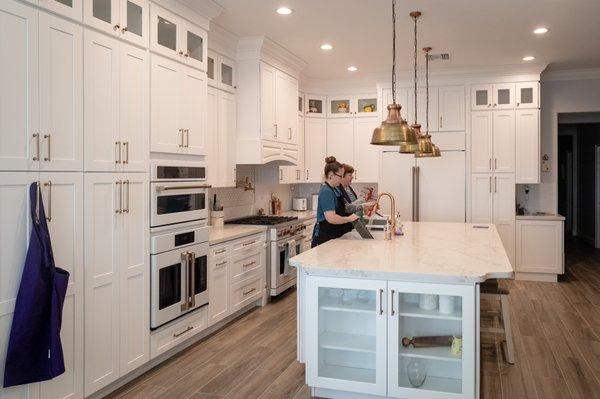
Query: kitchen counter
[549, 217]
[231, 232]
[302, 215]
[433, 252]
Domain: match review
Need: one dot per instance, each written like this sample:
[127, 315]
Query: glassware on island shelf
[428, 301]
[335, 293]
[348, 296]
[446, 304]
[416, 370]
[363, 296]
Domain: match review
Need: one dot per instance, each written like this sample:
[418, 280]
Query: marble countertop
[549, 217]
[302, 215]
[231, 232]
[428, 252]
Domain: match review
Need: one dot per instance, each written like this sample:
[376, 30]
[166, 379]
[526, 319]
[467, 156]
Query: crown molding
[188, 10]
[222, 41]
[571, 74]
[210, 9]
[262, 48]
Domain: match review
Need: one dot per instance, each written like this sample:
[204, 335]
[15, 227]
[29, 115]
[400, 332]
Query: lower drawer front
[243, 267]
[244, 292]
[168, 337]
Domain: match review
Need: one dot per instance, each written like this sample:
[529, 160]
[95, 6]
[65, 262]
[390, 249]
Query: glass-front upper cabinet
[211, 70]
[300, 104]
[504, 96]
[346, 335]
[124, 18]
[481, 97]
[68, 8]
[365, 105]
[176, 38]
[527, 95]
[314, 106]
[340, 106]
[430, 344]
[227, 74]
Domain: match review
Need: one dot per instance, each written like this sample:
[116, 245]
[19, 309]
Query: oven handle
[185, 266]
[167, 188]
[192, 266]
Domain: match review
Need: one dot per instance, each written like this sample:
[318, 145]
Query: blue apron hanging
[34, 349]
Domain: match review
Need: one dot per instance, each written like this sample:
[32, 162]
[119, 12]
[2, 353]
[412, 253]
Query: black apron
[328, 231]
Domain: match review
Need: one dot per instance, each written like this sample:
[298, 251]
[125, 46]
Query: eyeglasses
[340, 176]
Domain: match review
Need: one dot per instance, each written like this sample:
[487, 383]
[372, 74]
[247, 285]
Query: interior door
[396, 178]
[193, 106]
[504, 141]
[315, 148]
[504, 211]
[226, 138]
[366, 156]
[103, 15]
[481, 141]
[134, 273]
[134, 18]
[61, 94]
[442, 175]
[62, 194]
[451, 108]
[340, 139]
[481, 198]
[102, 219]
[166, 133]
[19, 81]
[101, 102]
[134, 108]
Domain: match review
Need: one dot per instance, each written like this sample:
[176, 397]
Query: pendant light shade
[394, 131]
[426, 147]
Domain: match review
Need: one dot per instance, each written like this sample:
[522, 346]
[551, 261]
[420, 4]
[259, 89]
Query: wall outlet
[546, 163]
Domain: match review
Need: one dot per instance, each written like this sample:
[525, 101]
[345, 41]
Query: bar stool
[490, 290]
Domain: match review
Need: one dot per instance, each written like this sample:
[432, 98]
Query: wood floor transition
[556, 333]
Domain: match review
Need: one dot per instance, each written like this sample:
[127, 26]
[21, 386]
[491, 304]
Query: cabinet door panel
[212, 137]
[63, 202]
[539, 246]
[504, 211]
[134, 21]
[281, 107]
[366, 156]
[103, 15]
[481, 141]
[527, 95]
[315, 106]
[134, 275]
[14, 240]
[268, 120]
[135, 106]
[340, 140]
[102, 305]
[193, 106]
[401, 99]
[19, 117]
[504, 141]
[194, 46]
[434, 120]
[396, 178]
[527, 147]
[166, 130]
[504, 96]
[481, 198]
[218, 281]
[226, 138]
[69, 8]
[315, 148]
[101, 101]
[481, 97]
[61, 94]
[226, 74]
[340, 106]
[290, 110]
[451, 108]
[164, 32]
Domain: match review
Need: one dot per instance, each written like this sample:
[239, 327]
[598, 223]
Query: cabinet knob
[117, 27]
[518, 104]
[124, 29]
[180, 52]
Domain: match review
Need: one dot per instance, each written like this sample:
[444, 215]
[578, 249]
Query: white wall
[559, 96]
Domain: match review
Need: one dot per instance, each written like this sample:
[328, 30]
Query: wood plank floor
[556, 336]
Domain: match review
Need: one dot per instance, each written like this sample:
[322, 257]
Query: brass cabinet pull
[118, 149]
[126, 146]
[490, 163]
[290, 129]
[280, 174]
[249, 264]
[297, 174]
[380, 301]
[126, 210]
[220, 251]
[275, 130]
[48, 158]
[495, 184]
[392, 311]
[306, 174]
[248, 243]
[495, 163]
[187, 137]
[183, 332]
[221, 264]
[181, 131]
[490, 184]
[120, 185]
[192, 282]
[248, 292]
[441, 122]
[37, 139]
[185, 267]
[117, 27]
[49, 185]
[124, 29]
[167, 188]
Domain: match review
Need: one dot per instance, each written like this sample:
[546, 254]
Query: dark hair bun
[330, 160]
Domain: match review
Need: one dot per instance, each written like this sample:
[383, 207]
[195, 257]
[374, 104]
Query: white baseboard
[543, 277]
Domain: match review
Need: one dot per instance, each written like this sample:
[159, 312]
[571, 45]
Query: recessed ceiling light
[352, 68]
[540, 31]
[326, 46]
[529, 58]
[284, 11]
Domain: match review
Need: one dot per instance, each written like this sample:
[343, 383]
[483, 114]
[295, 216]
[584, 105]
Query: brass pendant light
[394, 131]
[426, 148]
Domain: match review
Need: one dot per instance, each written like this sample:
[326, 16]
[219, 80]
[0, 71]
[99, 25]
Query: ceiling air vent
[443, 56]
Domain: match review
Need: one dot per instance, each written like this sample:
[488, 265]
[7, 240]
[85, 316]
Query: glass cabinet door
[481, 97]
[194, 45]
[164, 31]
[134, 18]
[504, 96]
[103, 15]
[366, 105]
[314, 106]
[527, 95]
[300, 104]
[346, 330]
[431, 346]
[227, 74]
[339, 107]
[211, 70]
[68, 8]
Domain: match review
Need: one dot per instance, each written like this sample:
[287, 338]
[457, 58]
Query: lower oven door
[178, 283]
[177, 202]
[281, 271]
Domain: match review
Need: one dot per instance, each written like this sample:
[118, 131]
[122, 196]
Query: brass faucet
[245, 184]
[393, 208]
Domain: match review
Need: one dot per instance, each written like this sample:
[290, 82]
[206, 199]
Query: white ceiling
[475, 32]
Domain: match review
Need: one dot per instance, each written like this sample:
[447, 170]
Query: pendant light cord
[394, 51]
[415, 19]
[427, 90]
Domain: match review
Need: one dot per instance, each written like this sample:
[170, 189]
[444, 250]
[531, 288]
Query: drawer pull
[249, 264]
[220, 251]
[248, 243]
[190, 328]
[221, 264]
[248, 292]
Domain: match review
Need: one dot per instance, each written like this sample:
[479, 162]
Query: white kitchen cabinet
[366, 156]
[493, 141]
[218, 281]
[493, 201]
[300, 104]
[340, 139]
[117, 276]
[401, 99]
[278, 95]
[434, 120]
[221, 72]
[451, 100]
[481, 97]
[315, 149]
[340, 106]
[315, 106]
[527, 146]
[178, 39]
[268, 115]
[295, 174]
[67, 8]
[504, 96]
[116, 105]
[365, 105]
[493, 96]
[126, 19]
[220, 154]
[212, 138]
[528, 95]
[178, 331]
[540, 246]
[178, 104]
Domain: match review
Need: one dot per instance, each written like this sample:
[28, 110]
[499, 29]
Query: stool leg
[510, 350]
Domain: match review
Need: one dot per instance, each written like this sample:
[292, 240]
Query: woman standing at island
[333, 221]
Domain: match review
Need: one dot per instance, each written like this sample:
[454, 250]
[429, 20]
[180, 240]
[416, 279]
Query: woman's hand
[352, 217]
[368, 207]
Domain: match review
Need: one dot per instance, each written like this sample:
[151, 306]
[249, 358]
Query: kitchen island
[358, 299]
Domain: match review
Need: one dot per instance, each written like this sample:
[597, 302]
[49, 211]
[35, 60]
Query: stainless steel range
[284, 240]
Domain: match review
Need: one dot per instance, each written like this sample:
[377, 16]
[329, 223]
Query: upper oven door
[177, 202]
[178, 171]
